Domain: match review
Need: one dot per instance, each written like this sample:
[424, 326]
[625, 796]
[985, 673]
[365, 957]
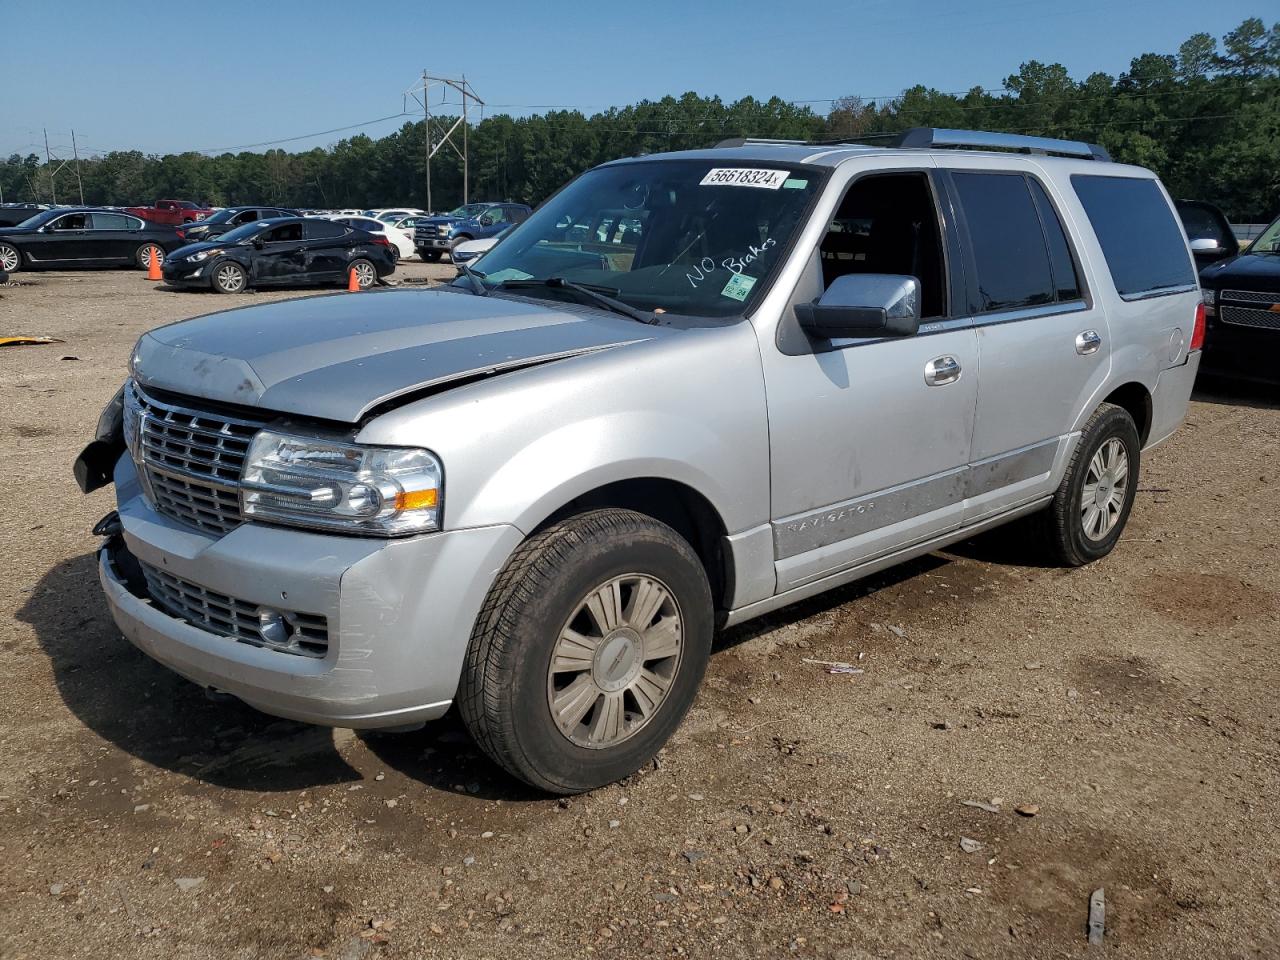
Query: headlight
[203, 255]
[313, 482]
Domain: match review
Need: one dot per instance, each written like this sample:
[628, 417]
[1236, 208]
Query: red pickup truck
[173, 212]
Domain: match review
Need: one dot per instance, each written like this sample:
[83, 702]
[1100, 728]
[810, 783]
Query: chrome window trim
[1159, 292]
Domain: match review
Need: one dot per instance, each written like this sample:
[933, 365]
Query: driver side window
[888, 224]
[72, 221]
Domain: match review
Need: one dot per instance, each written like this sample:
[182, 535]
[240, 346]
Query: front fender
[566, 463]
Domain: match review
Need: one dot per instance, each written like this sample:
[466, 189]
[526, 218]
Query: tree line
[1206, 119]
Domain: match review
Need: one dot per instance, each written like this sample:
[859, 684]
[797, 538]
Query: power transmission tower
[76, 154]
[421, 93]
[53, 174]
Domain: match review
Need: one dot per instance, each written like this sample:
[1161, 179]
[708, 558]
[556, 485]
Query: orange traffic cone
[153, 267]
[353, 285]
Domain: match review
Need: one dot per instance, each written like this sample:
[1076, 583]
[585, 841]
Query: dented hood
[339, 356]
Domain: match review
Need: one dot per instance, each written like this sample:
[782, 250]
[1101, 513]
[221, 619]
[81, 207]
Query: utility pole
[422, 94]
[76, 153]
[48, 162]
[426, 130]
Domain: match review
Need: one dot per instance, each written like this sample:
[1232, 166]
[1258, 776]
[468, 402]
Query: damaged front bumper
[386, 623]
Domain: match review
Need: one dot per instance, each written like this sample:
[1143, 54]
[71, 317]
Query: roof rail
[939, 137]
[743, 141]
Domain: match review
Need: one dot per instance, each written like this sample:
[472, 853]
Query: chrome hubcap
[229, 278]
[8, 259]
[615, 661]
[1106, 483]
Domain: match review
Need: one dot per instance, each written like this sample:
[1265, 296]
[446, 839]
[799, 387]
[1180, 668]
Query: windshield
[683, 236]
[243, 232]
[1267, 242]
[468, 210]
[222, 216]
[44, 216]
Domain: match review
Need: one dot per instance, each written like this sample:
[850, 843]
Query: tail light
[378, 238]
[1197, 331]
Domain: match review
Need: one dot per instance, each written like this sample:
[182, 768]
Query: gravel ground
[1129, 706]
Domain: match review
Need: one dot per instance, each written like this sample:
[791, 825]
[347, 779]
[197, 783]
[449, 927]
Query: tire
[519, 663]
[430, 256]
[142, 256]
[1075, 529]
[228, 277]
[10, 259]
[366, 273]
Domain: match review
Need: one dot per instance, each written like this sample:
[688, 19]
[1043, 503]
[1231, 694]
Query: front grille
[1249, 317]
[192, 459]
[427, 230]
[288, 631]
[1250, 296]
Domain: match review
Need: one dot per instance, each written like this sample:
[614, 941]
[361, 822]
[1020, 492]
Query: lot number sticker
[743, 177]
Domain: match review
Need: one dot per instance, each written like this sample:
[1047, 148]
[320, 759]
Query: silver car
[692, 388]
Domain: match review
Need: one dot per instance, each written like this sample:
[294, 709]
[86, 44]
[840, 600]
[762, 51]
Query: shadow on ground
[156, 716]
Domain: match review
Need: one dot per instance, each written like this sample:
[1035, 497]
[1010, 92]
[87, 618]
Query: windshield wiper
[591, 294]
[473, 278]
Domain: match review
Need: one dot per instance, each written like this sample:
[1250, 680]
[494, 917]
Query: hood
[1260, 271]
[337, 357]
[440, 220]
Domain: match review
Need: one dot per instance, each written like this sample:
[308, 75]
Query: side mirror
[864, 305]
[258, 243]
[1207, 245]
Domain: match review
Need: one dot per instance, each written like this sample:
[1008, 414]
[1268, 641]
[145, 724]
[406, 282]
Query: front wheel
[10, 259]
[1092, 504]
[229, 277]
[588, 652]
[430, 256]
[146, 253]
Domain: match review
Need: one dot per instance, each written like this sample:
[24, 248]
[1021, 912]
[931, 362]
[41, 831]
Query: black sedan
[1242, 307]
[84, 237]
[288, 250]
[227, 219]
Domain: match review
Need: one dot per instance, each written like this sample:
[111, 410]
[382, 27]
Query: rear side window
[1140, 237]
[324, 229]
[1006, 241]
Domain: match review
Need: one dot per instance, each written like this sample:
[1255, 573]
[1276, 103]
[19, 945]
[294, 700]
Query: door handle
[941, 371]
[1087, 342]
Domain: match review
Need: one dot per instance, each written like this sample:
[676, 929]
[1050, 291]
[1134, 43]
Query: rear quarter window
[1141, 239]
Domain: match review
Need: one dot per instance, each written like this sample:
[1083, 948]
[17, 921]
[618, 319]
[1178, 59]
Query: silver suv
[692, 388]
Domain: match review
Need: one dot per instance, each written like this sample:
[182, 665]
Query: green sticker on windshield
[738, 287]
[794, 184]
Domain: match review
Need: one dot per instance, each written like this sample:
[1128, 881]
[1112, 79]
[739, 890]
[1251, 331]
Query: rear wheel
[588, 652]
[145, 253]
[366, 273]
[229, 277]
[1092, 504]
[10, 259]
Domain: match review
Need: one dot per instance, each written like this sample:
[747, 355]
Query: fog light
[273, 628]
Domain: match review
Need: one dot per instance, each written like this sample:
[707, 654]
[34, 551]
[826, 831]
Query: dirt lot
[797, 813]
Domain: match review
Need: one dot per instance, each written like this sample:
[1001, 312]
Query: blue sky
[166, 77]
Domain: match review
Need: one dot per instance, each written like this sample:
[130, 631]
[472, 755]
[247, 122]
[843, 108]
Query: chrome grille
[428, 230]
[1250, 296]
[288, 631]
[1249, 317]
[192, 459]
